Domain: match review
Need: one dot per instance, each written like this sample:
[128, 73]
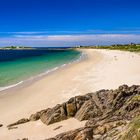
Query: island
[15, 48]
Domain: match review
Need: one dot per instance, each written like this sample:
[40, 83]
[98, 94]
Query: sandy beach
[102, 69]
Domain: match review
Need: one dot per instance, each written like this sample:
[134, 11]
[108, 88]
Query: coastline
[102, 69]
[32, 79]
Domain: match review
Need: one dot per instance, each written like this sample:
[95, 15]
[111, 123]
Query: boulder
[71, 107]
[99, 130]
[80, 100]
[85, 134]
[78, 134]
[21, 121]
[37, 115]
[63, 111]
[56, 114]
[88, 110]
[34, 117]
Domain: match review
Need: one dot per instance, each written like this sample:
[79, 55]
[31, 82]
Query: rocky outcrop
[21, 121]
[37, 115]
[78, 134]
[54, 115]
[108, 114]
[64, 111]
[120, 103]
[88, 110]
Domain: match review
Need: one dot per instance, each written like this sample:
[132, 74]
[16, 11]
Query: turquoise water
[12, 72]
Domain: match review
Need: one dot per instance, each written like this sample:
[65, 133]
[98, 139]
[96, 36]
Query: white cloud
[69, 32]
[69, 40]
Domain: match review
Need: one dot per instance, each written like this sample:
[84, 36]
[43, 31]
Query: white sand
[102, 69]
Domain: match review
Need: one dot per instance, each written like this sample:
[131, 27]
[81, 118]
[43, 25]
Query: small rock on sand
[57, 127]
[1, 125]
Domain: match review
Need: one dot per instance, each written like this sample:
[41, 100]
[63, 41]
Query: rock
[99, 130]
[80, 100]
[78, 134]
[37, 115]
[34, 117]
[88, 110]
[21, 121]
[70, 135]
[58, 127]
[97, 137]
[86, 134]
[132, 131]
[121, 122]
[123, 88]
[108, 114]
[71, 107]
[133, 103]
[56, 114]
[64, 111]
[91, 123]
[1, 125]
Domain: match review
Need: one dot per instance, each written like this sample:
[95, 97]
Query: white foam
[7, 87]
[81, 57]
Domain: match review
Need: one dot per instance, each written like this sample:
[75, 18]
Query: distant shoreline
[122, 47]
[34, 48]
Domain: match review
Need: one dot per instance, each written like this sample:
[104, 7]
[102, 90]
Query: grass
[131, 48]
[133, 130]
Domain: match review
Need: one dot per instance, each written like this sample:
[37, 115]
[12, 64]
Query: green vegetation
[133, 130]
[126, 47]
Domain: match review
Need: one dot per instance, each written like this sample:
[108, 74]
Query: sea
[17, 66]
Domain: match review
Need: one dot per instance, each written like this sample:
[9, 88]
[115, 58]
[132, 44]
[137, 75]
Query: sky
[54, 23]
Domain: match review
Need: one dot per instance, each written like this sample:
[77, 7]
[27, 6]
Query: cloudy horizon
[52, 23]
[40, 40]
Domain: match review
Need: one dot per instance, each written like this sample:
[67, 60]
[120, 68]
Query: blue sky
[69, 22]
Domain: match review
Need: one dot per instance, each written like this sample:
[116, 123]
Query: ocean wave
[7, 87]
[82, 56]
